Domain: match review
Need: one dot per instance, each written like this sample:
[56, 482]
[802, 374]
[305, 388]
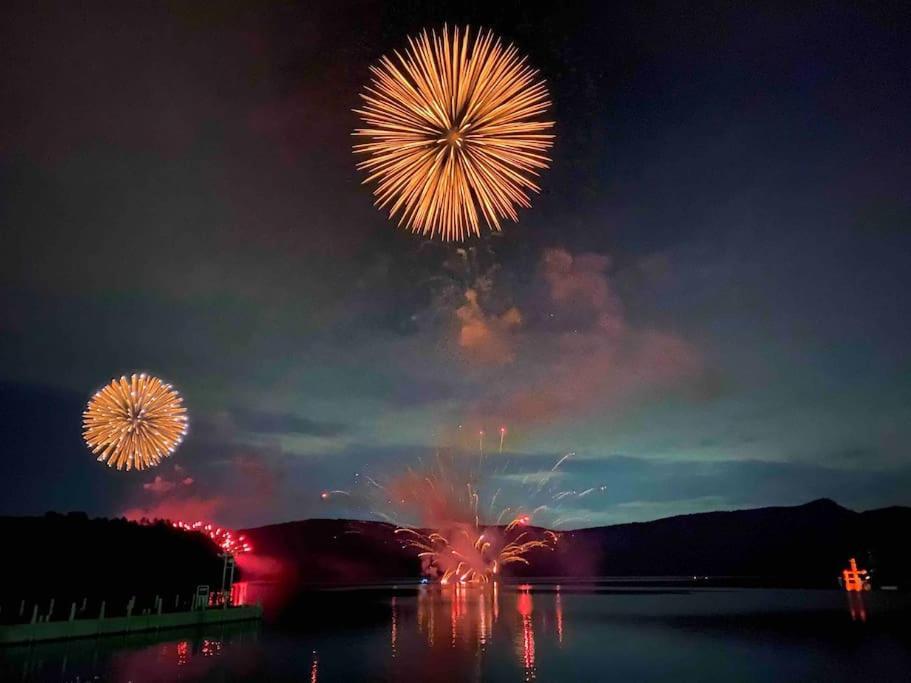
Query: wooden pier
[90, 628]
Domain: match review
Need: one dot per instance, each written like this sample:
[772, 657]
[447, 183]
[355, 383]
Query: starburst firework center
[453, 137]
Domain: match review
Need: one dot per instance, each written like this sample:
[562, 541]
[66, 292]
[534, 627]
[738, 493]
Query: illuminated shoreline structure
[854, 579]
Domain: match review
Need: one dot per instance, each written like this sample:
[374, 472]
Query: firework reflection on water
[473, 618]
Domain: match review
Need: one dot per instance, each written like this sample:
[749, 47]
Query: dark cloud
[44, 463]
[638, 489]
[263, 422]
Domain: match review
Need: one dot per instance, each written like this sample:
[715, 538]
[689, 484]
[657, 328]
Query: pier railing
[25, 621]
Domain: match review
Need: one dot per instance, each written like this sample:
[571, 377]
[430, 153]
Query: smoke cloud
[487, 338]
[578, 352]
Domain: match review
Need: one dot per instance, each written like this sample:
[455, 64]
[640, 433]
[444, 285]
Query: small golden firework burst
[454, 133]
[134, 422]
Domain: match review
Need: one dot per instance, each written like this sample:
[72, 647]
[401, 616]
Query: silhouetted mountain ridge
[806, 544]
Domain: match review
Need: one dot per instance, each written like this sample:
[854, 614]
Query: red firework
[226, 539]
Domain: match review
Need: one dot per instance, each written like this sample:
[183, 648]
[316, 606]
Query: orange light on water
[239, 593]
[183, 652]
[525, 607]
[558, 609]
[394, 631]
[856, 607]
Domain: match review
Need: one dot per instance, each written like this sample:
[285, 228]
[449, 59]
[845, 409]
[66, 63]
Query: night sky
[708, 303]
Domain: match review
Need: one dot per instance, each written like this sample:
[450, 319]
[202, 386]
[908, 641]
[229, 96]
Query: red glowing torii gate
[855, 579]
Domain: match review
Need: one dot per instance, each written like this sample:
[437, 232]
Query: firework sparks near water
[454, 133]
[229, 541]
[135, 422]
[472, 554]
[442, 511]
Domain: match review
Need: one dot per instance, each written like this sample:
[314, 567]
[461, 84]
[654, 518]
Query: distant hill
[73, 558]
[804, 545]
[334, 551]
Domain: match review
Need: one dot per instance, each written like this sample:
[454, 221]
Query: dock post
[159, 600]
[101, 611]
[50, 610]
[176, 602]
[72, 612]
[230, 595]
[130, 606]
[85, 602]
[35, 613]
[21, 608]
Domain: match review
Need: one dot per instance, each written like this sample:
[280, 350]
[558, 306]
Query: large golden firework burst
[454, 133]
[134, 422]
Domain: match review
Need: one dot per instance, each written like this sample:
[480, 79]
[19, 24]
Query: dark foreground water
[545, 632]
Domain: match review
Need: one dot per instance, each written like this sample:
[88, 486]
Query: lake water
[541, 632]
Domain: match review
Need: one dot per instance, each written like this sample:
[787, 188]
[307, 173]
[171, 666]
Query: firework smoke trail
[326, 495]
[561, 461]
[546, 478]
